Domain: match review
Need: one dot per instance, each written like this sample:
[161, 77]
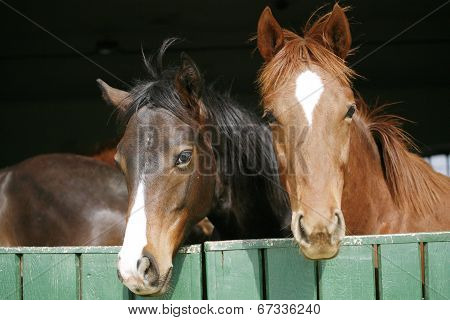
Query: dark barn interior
[49, 100]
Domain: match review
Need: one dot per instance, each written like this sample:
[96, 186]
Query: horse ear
[189, 85]
[270, 35]
[118, 98]
[336, 32]
[188, 81]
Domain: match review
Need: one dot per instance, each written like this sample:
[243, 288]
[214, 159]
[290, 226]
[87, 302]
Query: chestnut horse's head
[306, 90]
[168, 165]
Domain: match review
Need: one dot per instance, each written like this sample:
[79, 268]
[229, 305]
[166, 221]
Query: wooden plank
[350, 275]
[234, 275]
[437, 270]
[80, 250]
[396, 238]
[399, 271]
[58, 250]
[99, 279]
[288, 275]
[10, 277]
[248, 244]
[347, 241]
[186, 283]
[50, 276]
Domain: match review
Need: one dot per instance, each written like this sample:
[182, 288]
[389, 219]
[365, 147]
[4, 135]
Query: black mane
[247, 164]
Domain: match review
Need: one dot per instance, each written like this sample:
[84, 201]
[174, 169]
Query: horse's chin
[322, 253]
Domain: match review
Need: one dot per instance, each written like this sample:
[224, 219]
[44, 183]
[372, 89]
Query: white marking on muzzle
[309, 88]
[135, 236]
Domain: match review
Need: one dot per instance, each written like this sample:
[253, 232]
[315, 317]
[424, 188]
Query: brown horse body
[387, 188]
[68, 200]
[62, 200]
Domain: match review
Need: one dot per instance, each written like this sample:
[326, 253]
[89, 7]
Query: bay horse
[62, 200]
[189, 152]
[203, 230]
[336, 158]
[68, 200]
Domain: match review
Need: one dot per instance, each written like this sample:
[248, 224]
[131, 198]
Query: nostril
[338, 218]
[339, 231]
[142, 265]
[152, 269]
[303, 234]
[148, 268]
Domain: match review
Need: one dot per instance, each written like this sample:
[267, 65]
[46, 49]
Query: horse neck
[366, 199]
[247, 205]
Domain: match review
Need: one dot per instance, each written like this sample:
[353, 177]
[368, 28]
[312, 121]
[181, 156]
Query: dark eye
[268, 117]
[350, 112]
[184, 158]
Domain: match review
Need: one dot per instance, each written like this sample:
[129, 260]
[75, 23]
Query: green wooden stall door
[99, 279]
[10, 277]
[350, 275]
[289, 275]
[437, 271]
[399, 271]
[50, 276]
[186, 283]
[234, 274]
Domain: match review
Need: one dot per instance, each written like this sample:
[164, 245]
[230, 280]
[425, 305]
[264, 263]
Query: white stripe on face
[135, 236]
[309, 88]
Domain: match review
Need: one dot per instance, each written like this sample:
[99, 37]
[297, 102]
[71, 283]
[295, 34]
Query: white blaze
[309, 88]
[135, 236]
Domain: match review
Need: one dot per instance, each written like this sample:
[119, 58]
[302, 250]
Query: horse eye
[350, 112]
[268, 117]
[184, 158]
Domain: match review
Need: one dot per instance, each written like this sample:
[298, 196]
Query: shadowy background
[49, 101]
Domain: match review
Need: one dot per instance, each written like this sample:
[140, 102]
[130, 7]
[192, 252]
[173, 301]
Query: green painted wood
[288, 275]
[50, 276]
[399, 271]
[80, 250]
[347, 241]
[350, 275]
[48, 250]
[249, 244]
[10, 277]
[186, 283]
[99, 279]
[234, 275]
[437, 271]
[234, 270]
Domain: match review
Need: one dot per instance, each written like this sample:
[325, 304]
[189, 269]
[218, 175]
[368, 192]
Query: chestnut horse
[337, 159]
[189, 152]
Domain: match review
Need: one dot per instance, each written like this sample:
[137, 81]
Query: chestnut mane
[413, 184]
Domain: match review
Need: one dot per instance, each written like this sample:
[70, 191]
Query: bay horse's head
[306, 90]
[168, 165]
